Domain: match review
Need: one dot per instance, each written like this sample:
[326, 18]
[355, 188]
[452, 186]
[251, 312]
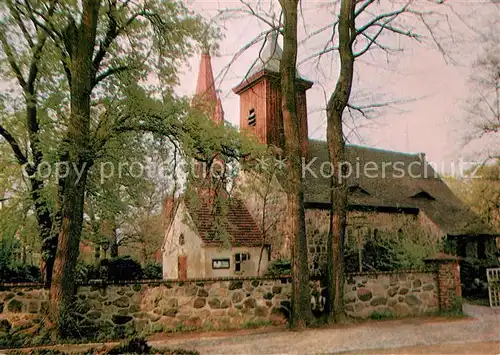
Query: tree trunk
[80, 41]
[45, 225]
[42, 210]
[301, 308]
[336, 149]
[113, 250]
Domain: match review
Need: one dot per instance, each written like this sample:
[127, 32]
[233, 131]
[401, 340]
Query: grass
[256, 324]
[384, 315]
[478, 301]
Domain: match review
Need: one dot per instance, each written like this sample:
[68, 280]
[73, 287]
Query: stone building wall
[361, 226]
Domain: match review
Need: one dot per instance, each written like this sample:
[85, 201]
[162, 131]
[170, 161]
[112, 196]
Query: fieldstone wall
[224, 303]
[396, 294]
[21, 309]
[154, 307]
[168, 305]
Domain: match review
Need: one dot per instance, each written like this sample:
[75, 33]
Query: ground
[463, 348]
[478, 333]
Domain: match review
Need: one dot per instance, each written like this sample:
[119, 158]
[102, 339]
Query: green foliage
[132, 346]
[279, 267]
[21, 273]
[181, 328]
[376, 315]
[135, 345]
[38, 352]
[405, 249]
[124, 268]
[152, 271]
[86, 272]
[11, 268]
[480, 189]
[256, 324]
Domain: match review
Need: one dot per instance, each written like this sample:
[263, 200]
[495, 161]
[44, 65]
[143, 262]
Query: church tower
[207, 100]
[206, 97]
[260, 97]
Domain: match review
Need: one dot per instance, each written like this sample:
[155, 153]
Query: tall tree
[104, 50]
[360, 30]
[24, 61]
[301, 310]
[336, 148]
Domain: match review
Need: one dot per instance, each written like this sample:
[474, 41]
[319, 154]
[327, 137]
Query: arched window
[251, 118]
[181, 239]
[375, 233]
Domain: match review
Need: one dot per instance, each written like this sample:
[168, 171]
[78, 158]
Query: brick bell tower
[260, 97]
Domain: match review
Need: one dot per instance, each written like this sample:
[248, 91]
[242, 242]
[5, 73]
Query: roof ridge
[370, 148]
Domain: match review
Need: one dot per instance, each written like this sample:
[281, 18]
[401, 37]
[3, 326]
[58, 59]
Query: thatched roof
[393, 180]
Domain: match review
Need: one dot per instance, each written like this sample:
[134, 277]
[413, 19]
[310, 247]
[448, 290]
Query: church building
[390, 193]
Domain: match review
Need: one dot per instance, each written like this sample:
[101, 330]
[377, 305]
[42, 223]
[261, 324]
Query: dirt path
[363, 338]
[456, 349]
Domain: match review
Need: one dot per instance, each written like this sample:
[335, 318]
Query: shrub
[152, 271]
[12, 271]
[252, 324]
[279, 267]
[117, 269]
[124, 268]
[376, 315]
[135, 345]
[473, 276]
[139, 345]
[86, 272]
[21, 273]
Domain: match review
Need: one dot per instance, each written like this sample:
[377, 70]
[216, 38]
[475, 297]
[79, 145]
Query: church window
[251, 118]
[181, 239]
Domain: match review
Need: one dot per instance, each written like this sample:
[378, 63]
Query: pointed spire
[205, 87]
[206, 97]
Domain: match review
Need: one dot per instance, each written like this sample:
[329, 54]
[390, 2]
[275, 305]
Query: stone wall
[152, 307]
[228, 303]
[21, 309]
[398, 294]
[192, 304]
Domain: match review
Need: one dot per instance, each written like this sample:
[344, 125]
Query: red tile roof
[237, 223]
